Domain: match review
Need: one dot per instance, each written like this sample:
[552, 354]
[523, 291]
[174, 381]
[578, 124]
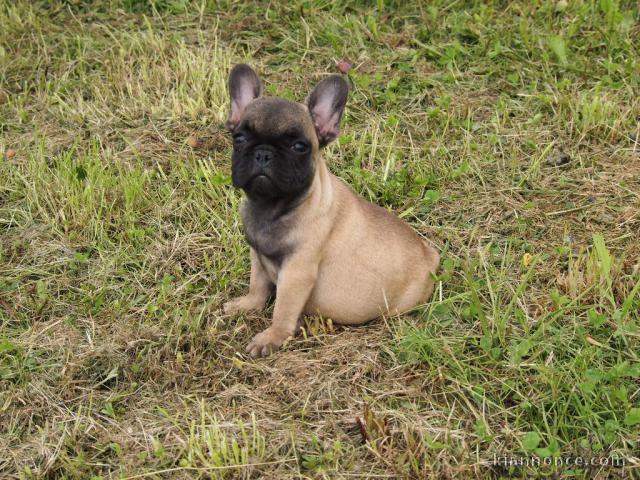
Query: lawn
[507, 133]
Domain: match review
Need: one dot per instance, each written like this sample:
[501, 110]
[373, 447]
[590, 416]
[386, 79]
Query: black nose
[262, 156]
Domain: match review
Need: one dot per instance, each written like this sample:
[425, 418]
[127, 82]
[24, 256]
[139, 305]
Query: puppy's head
[276, 142]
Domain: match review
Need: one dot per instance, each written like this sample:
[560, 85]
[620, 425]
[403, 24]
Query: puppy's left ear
[326, 104]
[244, 87]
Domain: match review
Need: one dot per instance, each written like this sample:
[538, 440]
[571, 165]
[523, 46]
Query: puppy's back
[374, 261]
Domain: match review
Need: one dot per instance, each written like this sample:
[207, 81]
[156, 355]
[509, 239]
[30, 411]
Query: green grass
[505, 132]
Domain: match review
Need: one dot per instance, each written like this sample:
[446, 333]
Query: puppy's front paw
[246, 303]
[267, 342]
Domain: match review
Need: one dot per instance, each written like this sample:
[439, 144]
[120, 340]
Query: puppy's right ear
[326, 104]
[244, 87]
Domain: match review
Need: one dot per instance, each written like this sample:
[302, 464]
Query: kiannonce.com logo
[578, 462]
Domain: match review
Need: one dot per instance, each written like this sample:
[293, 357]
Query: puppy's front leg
[260, 287]
[295, 283]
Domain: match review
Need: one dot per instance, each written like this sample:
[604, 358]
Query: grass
[506, 132]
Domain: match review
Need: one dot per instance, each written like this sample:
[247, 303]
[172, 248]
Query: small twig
[569, 210]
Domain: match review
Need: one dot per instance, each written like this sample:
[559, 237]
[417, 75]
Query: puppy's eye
[239, 138]
[300, 147]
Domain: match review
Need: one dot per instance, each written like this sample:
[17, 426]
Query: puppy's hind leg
[260, 288]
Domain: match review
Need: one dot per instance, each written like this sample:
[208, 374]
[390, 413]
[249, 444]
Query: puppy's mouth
[261, 184]
[259, 179]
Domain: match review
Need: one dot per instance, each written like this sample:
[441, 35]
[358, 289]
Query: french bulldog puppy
[324, 249]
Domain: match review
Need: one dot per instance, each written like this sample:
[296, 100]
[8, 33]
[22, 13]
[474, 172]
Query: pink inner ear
[247, 94]
[325, 119]
[234, 117]
[238, 104]
[326, 130]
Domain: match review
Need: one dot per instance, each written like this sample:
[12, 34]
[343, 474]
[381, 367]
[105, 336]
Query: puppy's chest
[268, 237]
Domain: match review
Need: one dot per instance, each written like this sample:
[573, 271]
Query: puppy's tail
[433, 257]
[432, 262]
